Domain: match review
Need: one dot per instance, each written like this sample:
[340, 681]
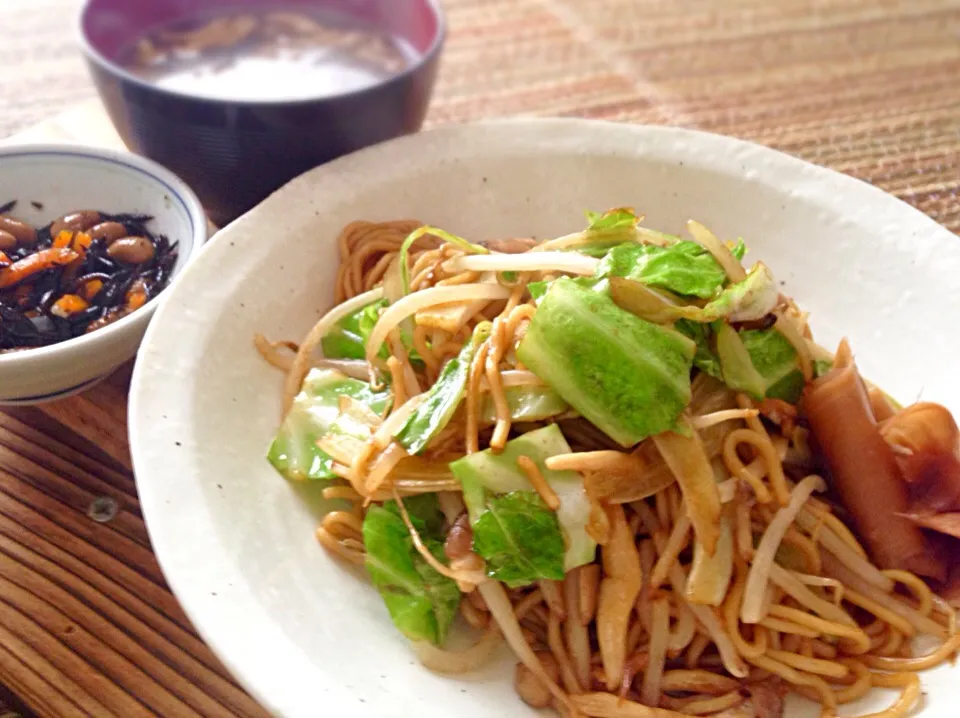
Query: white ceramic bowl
[64, 178]
[309, 636]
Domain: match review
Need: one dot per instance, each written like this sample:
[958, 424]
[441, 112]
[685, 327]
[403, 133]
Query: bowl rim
[805, 177]
[130, 162]
[94, 56]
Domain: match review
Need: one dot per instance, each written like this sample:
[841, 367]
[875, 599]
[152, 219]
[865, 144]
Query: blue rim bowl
[49, 180]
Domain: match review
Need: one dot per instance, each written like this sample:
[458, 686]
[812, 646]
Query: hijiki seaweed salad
[623, 454]
[77, 274]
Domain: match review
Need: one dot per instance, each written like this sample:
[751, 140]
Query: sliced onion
[737, 362]
[457, 662]
[732, 661]
[657, 651]
[354, 368]
[451, 505]
[689, 463]
[393, 282]
[564, 242]
[752, 609]
[409, 487]
[758, 297]
[515, 377]
[394, 314]
[646, 235]
[697, 681]
[575, 594]
[416, 468]
[728, 490]
[710, 575]
[818, 352]
[792, 334]
[569, 262]
[708, 240]
[342, 446]
[301, 362]
[393, 292]
[397, 418]
[609, 705]
[358, 411]
[451, 318]
[621, 478]
[383, 465]
[648, 303]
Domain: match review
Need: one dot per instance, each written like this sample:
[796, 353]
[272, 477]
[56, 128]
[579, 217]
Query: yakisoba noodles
[597, 448]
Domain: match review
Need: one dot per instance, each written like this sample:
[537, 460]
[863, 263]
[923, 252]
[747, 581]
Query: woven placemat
[867, 87]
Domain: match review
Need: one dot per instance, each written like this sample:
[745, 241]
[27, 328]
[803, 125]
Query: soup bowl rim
[105, 64]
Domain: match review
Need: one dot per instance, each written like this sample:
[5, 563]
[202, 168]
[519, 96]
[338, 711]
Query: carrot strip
[68, 305]
[63, 239]
[28, 266]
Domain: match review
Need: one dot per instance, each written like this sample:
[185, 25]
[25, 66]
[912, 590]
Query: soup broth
[276, 55]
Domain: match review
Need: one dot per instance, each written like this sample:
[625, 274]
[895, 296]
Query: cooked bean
[109, 232]
[459, 542]
[530, 637]
[477, 600]
[7, 241]
[131, 250]
[25, 234]
[108, 318]
[75, 222]
[531, 689]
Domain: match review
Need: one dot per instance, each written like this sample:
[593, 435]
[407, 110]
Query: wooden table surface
[868, 87]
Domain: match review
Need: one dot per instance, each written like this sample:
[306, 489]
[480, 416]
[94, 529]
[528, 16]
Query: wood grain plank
[136, 555]
[48, 607]
[56, 554]
[43, 440]
[134, 579]
[67, 492]
[99, 415]
[163, 639]
[66, 662]
[16, 669]
[44, 555]
[84, 704]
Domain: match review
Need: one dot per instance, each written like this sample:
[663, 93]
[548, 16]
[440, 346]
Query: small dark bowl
[235, 153]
